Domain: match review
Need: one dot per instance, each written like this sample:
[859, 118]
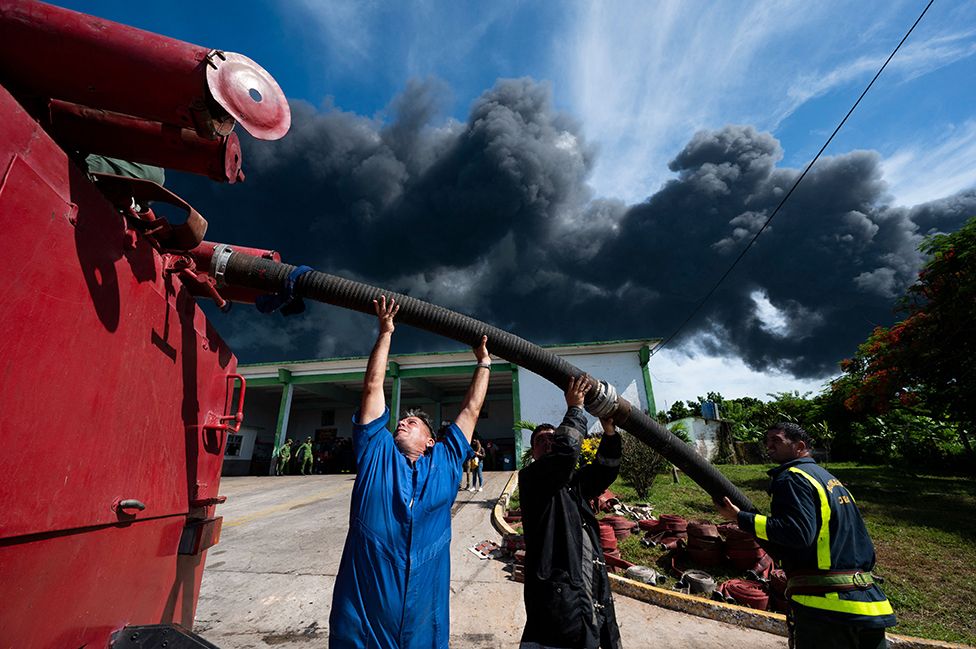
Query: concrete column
[517, 416]
[284, 410]
[644, 356]
[394, 371]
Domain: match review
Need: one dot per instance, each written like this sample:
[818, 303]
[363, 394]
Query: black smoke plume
[494, 217]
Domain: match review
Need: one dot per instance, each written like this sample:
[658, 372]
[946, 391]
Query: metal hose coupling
[601, 402]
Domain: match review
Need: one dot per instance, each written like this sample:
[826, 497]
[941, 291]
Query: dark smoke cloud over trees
[494, 217]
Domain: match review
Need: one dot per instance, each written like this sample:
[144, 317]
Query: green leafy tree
[925, 364]
[519, 426]
[747, 417]
[750, 417]
[793, 406]
[684, 409]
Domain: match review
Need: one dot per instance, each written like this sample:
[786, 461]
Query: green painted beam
[411, 373]
[394, 371]
[421, 372]
[303, 379]
[517, 416]
[334, 392]
[328, 378]
[644, 355]
[284, 411]
[417, 401]
[263, 382]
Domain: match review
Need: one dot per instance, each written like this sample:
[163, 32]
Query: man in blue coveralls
[394, 580]
[815, 529]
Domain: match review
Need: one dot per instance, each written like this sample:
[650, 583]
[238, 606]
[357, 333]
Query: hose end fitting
[601, 402]
[218, 263]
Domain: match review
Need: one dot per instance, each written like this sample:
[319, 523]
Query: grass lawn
[923, 527]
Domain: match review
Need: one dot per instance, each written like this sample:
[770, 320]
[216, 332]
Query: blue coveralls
[814, 526]
[394, 581]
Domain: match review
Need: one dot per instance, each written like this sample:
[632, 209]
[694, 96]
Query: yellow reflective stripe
[761, 527]
[823, 536]
[828, 603]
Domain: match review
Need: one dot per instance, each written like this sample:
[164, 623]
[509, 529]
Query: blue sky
[640, 78]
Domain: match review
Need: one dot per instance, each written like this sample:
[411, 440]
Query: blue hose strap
[285, 300]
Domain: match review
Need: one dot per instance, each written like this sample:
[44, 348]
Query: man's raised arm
[374, 402]
[475, 398]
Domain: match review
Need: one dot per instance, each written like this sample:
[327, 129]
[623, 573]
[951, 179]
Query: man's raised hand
[726, 509]
[577, 389]
[385, 313]
[481, 352]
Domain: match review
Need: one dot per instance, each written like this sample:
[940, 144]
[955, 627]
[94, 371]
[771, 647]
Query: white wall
[541, 401]
[703, 434]
[248, 436]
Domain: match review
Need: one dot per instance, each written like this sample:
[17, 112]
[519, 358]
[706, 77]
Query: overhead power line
[786, 197]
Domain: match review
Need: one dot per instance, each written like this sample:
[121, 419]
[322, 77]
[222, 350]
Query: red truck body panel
[116, 392]
[110, 373]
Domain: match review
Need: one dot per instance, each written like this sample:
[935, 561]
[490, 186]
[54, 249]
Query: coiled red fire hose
[745, 592]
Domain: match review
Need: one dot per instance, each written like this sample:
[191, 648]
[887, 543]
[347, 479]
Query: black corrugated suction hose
[265, 275]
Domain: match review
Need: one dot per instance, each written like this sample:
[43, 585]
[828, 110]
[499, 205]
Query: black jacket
[567, 591]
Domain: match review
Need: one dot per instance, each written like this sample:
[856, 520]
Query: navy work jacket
[394, 581]
[815, 526]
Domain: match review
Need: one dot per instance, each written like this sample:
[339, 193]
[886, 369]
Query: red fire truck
[118, 394]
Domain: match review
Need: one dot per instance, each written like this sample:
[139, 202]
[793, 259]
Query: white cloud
[771, 320]
[643, 77]
[926, 170]
[677, 376]
[914, 59]
[429, 48]
[347, 28]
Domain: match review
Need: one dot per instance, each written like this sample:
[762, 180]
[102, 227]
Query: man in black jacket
[567, 591]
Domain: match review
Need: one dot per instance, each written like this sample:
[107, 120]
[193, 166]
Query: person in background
[305, 456]
[466, 468]
[284, 456]
[476, 463]
[490, 451]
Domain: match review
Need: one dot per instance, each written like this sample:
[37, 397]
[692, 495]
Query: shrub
[640, 464]
[588, 451]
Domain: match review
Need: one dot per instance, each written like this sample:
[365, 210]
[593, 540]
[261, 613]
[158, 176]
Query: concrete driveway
[268, 583]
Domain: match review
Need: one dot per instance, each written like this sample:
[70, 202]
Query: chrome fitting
[218, 263]
[604, 403]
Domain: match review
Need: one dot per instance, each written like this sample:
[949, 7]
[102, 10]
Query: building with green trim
[317, 398]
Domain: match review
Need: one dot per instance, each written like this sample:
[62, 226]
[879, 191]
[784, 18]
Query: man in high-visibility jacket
[816, 531]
